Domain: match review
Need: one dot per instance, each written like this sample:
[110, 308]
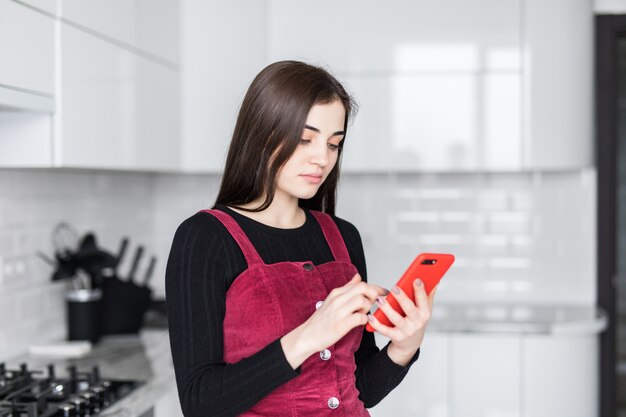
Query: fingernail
[370, 318]
[395, 289]
[418, 282]
[380, 301]
[386, 292]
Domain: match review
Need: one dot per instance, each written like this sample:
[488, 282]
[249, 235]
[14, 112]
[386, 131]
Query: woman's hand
[408, 333]
[343, 309]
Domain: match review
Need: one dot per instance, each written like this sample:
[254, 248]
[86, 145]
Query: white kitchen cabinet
[510, 373]
[26, 85]
[423, 392]
[558, 83]
[47, 6]
[557, 373]
[25, 139]
[364, 36]
[485, 375]
[220, 56]
[445, 86]
[151, 26]
[168, 405]
[27, 45]
[117, 109]
[438, 83]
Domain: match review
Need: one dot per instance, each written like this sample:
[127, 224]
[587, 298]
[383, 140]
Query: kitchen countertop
[523, 318]
[145, 357]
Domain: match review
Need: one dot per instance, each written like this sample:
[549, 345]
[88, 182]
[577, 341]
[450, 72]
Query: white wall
[609, 6]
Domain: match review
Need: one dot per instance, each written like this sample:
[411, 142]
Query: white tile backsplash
[32, 202]
[523, 237]
[520, 237]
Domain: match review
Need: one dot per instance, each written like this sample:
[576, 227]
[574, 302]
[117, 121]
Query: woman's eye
[305, 141]
[333, 147]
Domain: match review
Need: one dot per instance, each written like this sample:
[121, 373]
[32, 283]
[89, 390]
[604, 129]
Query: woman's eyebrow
[339, 132]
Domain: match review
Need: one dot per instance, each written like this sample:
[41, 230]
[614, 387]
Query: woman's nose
[320, 154]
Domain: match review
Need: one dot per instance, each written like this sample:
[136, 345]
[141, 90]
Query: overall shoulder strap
[332, 235]
[249, 252]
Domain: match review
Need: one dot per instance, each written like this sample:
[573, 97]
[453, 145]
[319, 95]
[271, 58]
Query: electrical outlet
[13, 269]
[7, 270]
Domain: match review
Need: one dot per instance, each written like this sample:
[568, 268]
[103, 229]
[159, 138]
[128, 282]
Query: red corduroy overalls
[265, 302]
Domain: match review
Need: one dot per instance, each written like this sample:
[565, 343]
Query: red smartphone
[430, 268]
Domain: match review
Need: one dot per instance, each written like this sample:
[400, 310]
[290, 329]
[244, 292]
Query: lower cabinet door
[423, 392]
[168, 405]
[561, 375]
[485, 375]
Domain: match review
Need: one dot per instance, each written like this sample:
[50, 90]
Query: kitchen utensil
[84, 314]
[120, 254]
[93, 260]
[136, 259]
[64, 240]
[149, 271]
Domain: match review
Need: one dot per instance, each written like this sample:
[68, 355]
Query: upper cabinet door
[27, 45]
[452, 85]
[151, 26]
[118, 110]
[437, 82]
[222, 50]
[558, 84]
[405, 35]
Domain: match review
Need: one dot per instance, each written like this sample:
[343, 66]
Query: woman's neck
[283, 213]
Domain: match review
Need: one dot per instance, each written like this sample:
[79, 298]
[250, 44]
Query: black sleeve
[195, 295]
[376, 374]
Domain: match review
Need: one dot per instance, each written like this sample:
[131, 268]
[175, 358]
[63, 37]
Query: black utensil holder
[83, 314]
[123, 306]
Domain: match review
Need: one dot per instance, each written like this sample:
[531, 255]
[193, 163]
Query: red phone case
[430, 268]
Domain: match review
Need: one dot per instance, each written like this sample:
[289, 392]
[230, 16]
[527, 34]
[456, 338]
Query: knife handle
[149, 271]
[120, 254]
[133, 268]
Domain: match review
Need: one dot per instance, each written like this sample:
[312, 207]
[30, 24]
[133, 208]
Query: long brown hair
[269, 128]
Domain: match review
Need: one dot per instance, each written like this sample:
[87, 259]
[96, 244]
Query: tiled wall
[516, 237]
[526, 237]
[32, 202]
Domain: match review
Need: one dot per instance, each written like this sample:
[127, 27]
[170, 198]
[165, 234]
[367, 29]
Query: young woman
[266, 293]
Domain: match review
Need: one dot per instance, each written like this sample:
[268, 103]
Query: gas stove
[26, 393]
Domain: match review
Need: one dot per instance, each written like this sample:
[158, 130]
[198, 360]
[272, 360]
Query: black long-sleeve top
[204, 261]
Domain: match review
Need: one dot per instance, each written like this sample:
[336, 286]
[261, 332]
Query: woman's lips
[312, 179]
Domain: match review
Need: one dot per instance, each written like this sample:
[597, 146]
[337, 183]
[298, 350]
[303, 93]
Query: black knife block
[123, 306]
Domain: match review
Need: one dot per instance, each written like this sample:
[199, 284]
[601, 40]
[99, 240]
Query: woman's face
[316, 155]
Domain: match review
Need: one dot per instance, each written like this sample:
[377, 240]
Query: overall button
[318, 304]
[307, 267]
[325, 354]
[333, 402]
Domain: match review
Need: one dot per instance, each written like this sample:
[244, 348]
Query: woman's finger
[356, 278]
[406, 304]
[387, 331]
[421, 299]
[363, 289]
[394, 317]
[356, 303]
[431, 296]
